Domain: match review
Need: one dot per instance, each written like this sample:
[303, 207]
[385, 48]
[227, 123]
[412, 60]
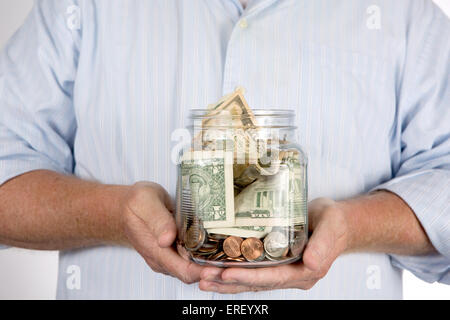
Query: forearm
[383, 222]
[48, 211]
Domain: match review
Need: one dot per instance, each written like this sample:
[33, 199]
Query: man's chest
[329, 63]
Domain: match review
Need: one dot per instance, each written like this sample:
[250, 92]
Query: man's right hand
[150, 228]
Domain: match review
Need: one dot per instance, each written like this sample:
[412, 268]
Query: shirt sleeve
[421, 138]
[37, 75]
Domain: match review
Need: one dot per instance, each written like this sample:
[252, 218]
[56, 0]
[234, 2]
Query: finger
[212, 274]
[211, 286]
[166, 199]
[276, 277]
[150, 207]
[165, 229]
[324, 245]
[185, 270]
[164, 260]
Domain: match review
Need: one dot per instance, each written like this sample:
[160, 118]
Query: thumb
[149, 202]
[161, 221]
[165, 229]
[327, 241]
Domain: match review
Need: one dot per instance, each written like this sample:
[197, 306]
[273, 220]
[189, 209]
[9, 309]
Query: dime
[232, 246]
[252, 249]
[272, 258]
[194, 238]
[276, 244]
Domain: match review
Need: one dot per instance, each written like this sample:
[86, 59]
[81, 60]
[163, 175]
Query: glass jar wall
[242, 187]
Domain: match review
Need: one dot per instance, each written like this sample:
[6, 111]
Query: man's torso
[144, 64]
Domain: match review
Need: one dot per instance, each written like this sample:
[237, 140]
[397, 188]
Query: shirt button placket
[229, 81]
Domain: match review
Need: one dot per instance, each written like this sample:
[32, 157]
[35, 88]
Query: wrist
[350, 224]
[109, 200]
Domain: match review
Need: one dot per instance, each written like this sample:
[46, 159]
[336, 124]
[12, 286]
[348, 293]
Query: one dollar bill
[207, 187]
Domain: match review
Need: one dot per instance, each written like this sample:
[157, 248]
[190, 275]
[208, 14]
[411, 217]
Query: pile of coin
[280, 244]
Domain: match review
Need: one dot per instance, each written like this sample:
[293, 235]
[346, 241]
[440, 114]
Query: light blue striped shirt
[96, 88]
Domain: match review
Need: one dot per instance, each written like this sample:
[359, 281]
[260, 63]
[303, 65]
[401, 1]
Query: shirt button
[243, 24]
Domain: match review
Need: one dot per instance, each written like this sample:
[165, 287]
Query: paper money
[241, 180]
[272, 200]
[243, 232]
[235, 106]
[207, 187]
[230, 119]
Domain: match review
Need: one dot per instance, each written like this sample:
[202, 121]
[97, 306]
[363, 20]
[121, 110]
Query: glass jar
[242, 189]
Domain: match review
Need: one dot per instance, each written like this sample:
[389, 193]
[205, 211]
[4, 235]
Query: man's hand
[329, 239]
[150, 228]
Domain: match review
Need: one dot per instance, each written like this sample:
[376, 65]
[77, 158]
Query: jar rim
[272, 113]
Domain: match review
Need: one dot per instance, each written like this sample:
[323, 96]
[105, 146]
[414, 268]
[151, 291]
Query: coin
[272, 258]
[212, 240]
[239, 259]
[207, 251]
[232, 246]
[276, 244]
[194, 238]
[218, 236]
[217, 256]
[298, 245]
[252, 249]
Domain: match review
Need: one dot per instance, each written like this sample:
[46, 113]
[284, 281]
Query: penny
[276, 244]
[240, 259]
[218, 237]
[217, 256]
[252, 249]
[194, 238]
[232, 246]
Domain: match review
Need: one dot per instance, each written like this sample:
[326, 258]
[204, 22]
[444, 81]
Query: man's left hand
[329, 239]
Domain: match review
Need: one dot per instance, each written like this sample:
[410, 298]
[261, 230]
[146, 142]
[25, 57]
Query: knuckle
[186, 279]
[137, 195]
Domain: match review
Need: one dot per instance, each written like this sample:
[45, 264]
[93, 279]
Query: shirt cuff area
[428, 195]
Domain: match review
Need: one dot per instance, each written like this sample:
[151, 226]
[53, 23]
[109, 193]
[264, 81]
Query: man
[95, 89]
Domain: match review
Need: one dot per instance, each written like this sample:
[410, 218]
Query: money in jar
[242, 186]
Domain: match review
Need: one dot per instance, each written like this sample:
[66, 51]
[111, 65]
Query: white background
[28, 274]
